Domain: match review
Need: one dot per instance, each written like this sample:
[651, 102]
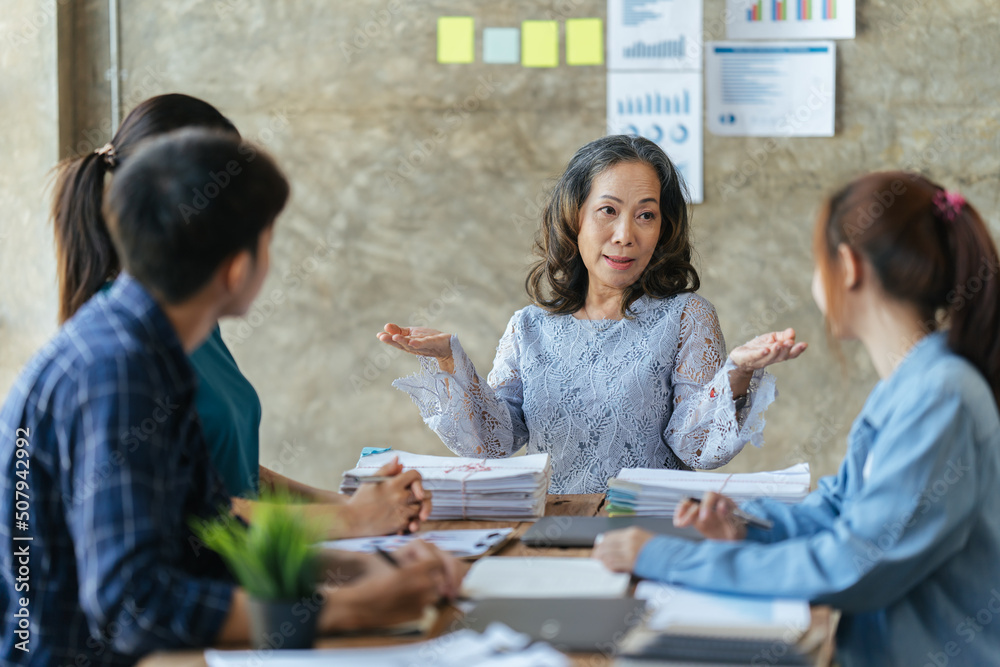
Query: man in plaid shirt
[102, 454]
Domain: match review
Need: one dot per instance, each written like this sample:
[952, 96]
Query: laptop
[580, 531]
[568, 624]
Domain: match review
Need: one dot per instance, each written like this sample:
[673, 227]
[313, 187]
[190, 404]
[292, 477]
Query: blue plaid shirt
[103, 464]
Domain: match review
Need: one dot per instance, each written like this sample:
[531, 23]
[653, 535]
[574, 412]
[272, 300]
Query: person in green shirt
[227, 403]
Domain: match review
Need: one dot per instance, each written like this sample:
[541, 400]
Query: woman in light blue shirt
[905, 539]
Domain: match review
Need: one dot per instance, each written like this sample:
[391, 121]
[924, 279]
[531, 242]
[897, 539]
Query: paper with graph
[771, 89]
[654, 35]
[664, 107]
[790, 19]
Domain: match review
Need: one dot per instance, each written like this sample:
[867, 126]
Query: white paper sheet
[791, 19]
[498, 646]
[510, 577]
[459, 543]
[685, 611]
[654, 34]
[777, 89]
[666, 108]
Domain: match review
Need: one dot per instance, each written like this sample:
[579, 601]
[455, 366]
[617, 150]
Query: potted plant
[276, 560]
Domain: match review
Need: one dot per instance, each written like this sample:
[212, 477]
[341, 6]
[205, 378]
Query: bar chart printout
[791, 19]
[654, 34]
[664, 107]
[773, 89]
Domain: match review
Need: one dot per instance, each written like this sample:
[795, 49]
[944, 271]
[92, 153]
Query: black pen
[388, 556]
[745, 517]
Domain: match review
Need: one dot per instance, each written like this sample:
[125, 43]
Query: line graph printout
[791, 19]
[654, 34]
[664, 107]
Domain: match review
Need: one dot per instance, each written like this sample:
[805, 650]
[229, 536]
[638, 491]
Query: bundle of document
[695, 627]
[468, 488]
[658, 492]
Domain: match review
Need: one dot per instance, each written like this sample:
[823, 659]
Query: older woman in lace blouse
[618, 363]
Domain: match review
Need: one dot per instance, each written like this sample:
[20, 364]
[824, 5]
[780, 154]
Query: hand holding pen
[717, 517]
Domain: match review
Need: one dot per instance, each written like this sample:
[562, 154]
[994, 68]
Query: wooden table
[821, 633]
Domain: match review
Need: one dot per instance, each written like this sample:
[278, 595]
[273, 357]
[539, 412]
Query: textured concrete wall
[29, 144]
[415, 190]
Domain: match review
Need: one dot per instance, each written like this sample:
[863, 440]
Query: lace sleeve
[705, 430]
[472, 416]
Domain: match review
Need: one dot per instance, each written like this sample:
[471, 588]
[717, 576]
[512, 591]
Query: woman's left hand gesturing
[767, 349]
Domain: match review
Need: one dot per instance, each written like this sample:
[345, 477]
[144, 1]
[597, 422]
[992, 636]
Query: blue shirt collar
[907, 374]
[129, 294]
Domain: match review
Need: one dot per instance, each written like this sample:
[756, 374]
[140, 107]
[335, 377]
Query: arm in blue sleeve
[816, 512]
[133, 597]
[888, 538]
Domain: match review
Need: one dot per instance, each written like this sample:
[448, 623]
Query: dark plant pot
[277, 624]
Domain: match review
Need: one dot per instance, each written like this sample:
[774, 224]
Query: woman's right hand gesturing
[420, 341]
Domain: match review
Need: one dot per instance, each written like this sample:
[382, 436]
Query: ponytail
[85, 255]
[973, 306]
[929, 248]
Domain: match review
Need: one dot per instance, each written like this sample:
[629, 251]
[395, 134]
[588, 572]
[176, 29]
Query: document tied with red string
[469, 488]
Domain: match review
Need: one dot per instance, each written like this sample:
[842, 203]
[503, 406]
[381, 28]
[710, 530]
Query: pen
[745, 517]
[388, 556]
[361, 479]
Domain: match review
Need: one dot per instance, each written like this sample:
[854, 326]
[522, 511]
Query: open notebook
[657, 492]
[467, 488]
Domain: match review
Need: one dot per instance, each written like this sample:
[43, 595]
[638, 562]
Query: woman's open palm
[770, 348]
[418, 340]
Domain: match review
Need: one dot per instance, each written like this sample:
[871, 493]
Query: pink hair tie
[948, 204]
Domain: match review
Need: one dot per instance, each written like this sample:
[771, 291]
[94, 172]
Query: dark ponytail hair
[929, 248]
[85, 254]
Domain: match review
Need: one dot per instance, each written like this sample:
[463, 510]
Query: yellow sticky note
[584, 42]
[456, 39]
[540, 43]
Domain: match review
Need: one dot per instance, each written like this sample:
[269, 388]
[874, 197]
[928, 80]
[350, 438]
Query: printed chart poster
[666, 108]
[654, 34]
[777, 89]
[791, 19]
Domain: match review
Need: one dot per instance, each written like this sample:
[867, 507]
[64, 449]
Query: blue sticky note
[502, 46]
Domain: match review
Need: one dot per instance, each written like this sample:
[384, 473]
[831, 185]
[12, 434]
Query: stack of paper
[697, 628]
[541, 577]
[466, 488]
[498, 646]
[657, 492]
[684, 611]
